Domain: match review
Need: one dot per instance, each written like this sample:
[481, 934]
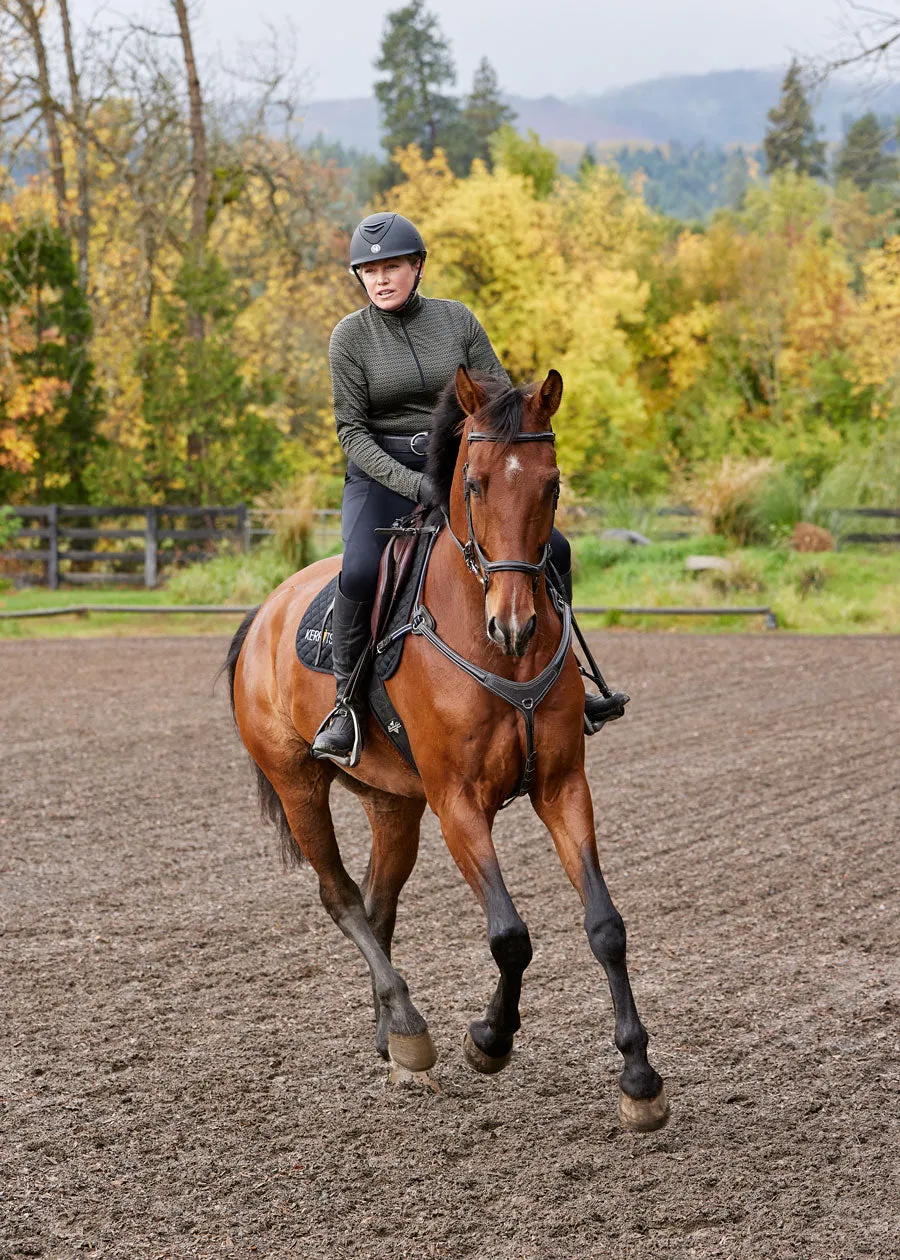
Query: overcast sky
[538, 47]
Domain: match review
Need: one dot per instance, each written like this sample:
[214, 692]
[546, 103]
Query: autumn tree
[862, 158]
[790, 141]
[30, 90]
[526, 156]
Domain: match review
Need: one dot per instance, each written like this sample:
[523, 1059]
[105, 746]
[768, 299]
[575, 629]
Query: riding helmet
[386, 235]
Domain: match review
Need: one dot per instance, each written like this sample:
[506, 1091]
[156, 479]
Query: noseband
[476, 561]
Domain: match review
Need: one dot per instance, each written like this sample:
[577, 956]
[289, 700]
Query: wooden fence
[68, 544]
[872, 514]
[67, 541]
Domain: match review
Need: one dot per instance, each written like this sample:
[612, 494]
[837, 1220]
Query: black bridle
[476, 561]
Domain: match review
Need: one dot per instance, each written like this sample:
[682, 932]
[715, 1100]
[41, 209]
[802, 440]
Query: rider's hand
[428, 492]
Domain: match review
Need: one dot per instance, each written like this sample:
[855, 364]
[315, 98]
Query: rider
[390, 361]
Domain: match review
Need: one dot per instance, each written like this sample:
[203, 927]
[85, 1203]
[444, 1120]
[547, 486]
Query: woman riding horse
[390, 363]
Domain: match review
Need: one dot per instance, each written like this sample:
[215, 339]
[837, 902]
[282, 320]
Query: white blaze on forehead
[512, 467]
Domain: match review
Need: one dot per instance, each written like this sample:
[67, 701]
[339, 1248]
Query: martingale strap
[523, 696]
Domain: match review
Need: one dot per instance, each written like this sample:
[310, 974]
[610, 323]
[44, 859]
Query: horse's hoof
[643, 1115]
[403, 1076]
[482, 1062]
[414, 1054]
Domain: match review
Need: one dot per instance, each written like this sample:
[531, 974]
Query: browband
[546, 436]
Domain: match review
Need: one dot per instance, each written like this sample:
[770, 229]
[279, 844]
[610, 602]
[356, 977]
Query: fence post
[151, 548]
[243, 526]
[53, 546]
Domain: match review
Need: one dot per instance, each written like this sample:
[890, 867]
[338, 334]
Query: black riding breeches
[367, 505]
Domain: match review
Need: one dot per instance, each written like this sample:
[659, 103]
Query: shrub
[727, 497]
[867, 476]
[288, 510]
[231, 577]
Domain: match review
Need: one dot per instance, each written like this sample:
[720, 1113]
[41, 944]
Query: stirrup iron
[353, 757]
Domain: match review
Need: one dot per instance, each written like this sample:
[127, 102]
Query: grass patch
[853, 591]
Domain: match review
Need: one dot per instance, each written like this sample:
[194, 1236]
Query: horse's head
[504, 495]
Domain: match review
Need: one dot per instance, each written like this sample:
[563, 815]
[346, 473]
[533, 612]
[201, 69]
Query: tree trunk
[84, 195]
[199, 157]
[200, 194]
[30, 16]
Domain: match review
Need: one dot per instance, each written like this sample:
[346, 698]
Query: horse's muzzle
[512, 639]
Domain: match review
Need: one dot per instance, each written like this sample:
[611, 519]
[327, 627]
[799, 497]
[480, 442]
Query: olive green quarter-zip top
[388, 371]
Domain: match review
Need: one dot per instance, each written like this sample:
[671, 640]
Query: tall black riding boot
[350, 634]
[598, 710]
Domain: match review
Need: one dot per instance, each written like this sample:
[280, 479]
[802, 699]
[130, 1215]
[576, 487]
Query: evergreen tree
[862, 158]
[37, 269]
[736, 180]
[587, 164]
[417, 65]
[484, 111]
[791, 142]
[207, 437]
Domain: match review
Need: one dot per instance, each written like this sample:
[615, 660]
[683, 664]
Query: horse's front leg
[467, 831]
[565, 806]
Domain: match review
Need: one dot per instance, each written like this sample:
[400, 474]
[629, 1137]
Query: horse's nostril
[492, 630]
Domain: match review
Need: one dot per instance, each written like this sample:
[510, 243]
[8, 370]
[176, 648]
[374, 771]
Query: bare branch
[872, 34]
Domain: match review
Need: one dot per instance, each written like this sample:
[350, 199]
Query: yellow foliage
[875, 325]
[553, 282]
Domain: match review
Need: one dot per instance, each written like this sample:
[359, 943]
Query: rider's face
[390, 282]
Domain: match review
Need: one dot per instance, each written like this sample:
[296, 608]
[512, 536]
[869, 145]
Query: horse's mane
[501, 416]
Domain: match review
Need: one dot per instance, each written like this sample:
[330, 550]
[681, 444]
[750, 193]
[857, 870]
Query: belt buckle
[412, 442]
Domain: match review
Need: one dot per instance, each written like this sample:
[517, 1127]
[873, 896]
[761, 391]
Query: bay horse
[492, 459]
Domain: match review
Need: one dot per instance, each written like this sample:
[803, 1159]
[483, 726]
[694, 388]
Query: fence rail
[175, 534]
[84, 610]
[170, 534]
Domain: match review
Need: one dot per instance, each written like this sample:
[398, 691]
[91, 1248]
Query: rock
[626, 535]
[697, 564]
[808, 537]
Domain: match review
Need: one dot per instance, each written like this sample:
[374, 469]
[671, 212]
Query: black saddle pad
[314, 647]
[314, 633]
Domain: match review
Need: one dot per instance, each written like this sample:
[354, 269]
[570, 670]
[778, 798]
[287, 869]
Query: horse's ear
[550, 394]
[471, 397]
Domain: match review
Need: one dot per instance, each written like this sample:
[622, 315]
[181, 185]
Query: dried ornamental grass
[727, 494]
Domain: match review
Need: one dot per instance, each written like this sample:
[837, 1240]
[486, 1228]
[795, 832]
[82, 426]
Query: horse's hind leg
[467, 831]
[566, 809]
[395, 823]
[303, 790]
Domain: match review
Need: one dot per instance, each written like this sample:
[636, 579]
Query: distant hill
[723, 108]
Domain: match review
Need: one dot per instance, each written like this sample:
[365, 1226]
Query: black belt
[415, 445]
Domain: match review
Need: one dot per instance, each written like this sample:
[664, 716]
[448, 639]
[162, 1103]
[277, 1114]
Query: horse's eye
[474, 487]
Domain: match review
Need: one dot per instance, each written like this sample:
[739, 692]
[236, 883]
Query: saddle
[399, 574]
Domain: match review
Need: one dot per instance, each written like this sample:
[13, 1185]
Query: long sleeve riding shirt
[388, 371]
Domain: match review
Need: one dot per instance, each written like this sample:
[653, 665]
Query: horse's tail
[234, 651]
[270, 804]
